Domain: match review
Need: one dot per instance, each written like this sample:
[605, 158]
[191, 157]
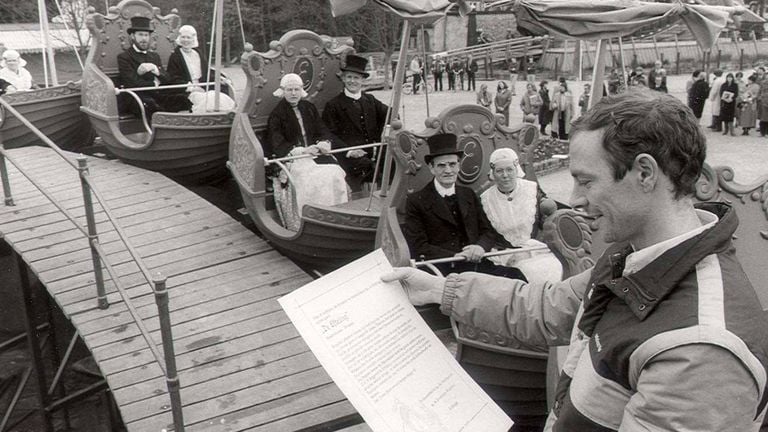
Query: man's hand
[356, 154]
[324, 146]
[148, 67]
[474, 253]
[421, 287]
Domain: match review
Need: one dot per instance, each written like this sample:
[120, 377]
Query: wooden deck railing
[167, 362]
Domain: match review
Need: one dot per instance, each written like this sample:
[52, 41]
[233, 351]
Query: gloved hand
[473, 253]
[356, 154]
[421, 287]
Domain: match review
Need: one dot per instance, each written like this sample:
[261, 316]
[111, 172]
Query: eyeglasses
[444, 165]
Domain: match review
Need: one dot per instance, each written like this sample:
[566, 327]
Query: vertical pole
[34, 342]
[393, 110]
[424, 77]
[624, 76]
[719, 53]
[47, 41]
[677, 56]
[82, 167]
[599, 71]
[217, 74]
[741, 58]
[171, 377]
[4, 175]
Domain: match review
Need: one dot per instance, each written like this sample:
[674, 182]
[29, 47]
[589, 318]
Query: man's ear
[647, 171]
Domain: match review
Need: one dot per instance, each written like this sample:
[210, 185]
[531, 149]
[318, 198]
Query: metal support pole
[101, 293]
[58, 364]
[171, 377]
[4, 175]
[34, 343]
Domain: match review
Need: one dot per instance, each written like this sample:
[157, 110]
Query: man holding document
[665, 331]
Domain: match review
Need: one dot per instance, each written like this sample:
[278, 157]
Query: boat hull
[189, 148]
[55, 111]
[328, 238]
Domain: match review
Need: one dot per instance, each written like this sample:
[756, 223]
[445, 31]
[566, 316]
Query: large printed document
[384, 357]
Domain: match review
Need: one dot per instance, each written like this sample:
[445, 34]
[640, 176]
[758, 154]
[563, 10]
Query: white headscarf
[189, 31]
[287, 80]
[507, 154]
[11, 55]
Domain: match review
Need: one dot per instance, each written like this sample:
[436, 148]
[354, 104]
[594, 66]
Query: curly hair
[644, 121]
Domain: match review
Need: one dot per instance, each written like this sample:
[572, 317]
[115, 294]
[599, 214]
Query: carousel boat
[54, 110]
[328, 236]
[190, 148]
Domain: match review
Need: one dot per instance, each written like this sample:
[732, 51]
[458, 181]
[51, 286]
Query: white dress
[312, 183]
[21, 80]
[513, 216]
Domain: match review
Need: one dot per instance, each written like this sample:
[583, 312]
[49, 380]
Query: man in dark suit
[471, 73]
[140, 67]
[355, 118]
[444, 219]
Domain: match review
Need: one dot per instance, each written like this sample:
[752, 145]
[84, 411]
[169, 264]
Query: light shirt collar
[137, 49]
[355, 96]
[639, 259]
[443, 191]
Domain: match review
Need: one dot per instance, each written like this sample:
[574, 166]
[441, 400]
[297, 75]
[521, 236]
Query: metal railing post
[4, 175]
[171, 376]
[101, 293]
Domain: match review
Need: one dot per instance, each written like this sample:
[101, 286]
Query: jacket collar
[653, 283]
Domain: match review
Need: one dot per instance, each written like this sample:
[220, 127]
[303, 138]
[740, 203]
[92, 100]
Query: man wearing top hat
[444, 219]
[355, 118]
[140, 67]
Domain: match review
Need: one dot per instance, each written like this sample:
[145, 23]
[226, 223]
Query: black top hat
[355, 63]
[441, 145]
[140, 23]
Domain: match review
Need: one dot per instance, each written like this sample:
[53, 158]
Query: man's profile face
[141, 39]
[617, 206]
[353, 81]
[445, 168]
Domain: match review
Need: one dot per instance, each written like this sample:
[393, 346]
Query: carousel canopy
[407, 9]
[603, 19]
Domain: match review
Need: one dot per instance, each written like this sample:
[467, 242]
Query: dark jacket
[432, 232]
[354, 123]
[284, 133]
[178, 72]
[697, 96]
[129, 60]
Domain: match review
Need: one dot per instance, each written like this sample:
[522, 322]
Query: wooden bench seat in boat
[328, 236]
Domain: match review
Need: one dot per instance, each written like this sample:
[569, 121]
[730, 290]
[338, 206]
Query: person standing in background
[484, 97]
[697, 95]
[471, 73]
[438, 67]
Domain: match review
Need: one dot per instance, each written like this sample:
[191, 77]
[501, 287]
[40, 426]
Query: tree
[373, 29]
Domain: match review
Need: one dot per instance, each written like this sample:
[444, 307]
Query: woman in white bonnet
[512, 207]
[14, 73]
[187, 66]
[295, 128]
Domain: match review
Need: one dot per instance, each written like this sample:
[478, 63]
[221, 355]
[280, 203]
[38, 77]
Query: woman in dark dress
[295, 122]
[187, 65]
[698, 94]
[729, 93]
[295, 128]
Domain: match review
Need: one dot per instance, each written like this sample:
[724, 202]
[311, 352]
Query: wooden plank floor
[242, 364]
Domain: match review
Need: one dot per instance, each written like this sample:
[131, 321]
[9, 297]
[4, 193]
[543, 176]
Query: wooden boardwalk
[242, 365]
